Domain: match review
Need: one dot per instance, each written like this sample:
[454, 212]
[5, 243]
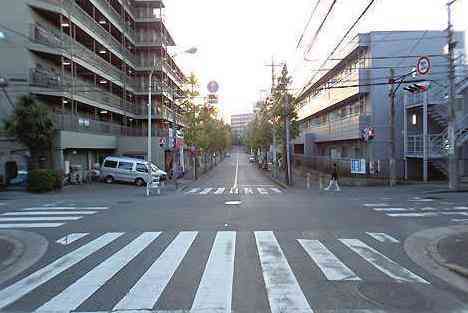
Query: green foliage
[41, 180]
[32, 125]
[203, 128]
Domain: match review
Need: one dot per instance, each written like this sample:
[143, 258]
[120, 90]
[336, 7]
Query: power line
[319, 29]
[307, 24]
[341, 41]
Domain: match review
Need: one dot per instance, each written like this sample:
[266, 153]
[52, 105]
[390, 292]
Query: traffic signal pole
[453, 155]
[392, 128]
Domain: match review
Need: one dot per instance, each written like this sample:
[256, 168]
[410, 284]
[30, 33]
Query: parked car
[252, 159]
[129, 170]
[21, 179]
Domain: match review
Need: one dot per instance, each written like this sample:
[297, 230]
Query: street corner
[19, 250]
[443, 252]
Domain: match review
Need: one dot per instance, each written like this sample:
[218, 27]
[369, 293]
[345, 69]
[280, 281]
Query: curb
[274, 180]
[28, 249]
[434, 253]
[421, 248]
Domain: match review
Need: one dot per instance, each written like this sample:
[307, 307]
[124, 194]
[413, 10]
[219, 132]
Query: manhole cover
[395, 295]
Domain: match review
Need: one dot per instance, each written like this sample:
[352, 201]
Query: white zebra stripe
[220, 191]
[381, 262]
[277, 190]
[262, 191]
[70, 238]
[147, 290]
[330, 265]
[36, 279]
[248, 191]
[194, 190]
[214, 293]
[30, 225]
[206, 191]
[39, 218]
[64, 208]
[28, 213]
[382, 237]
[283, 290]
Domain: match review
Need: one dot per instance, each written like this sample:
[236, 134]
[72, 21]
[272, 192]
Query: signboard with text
[358, 166]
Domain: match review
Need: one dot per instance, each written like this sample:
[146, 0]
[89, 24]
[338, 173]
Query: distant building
[353, 96]
[239, 124]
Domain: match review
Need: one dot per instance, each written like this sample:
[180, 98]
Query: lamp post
[148, 158]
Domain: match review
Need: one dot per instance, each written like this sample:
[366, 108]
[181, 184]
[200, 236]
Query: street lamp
[191, 50]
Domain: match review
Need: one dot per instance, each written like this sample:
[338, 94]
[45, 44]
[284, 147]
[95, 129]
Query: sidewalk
[453, 252]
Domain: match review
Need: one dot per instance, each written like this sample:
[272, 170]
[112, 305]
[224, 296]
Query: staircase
[439, 113]
[439, 144]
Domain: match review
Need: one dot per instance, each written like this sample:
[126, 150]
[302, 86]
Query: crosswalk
[45, 216]
[248, 190]
[118, 252]
[455, 213]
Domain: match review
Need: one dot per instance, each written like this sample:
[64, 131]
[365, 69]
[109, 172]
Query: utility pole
[288, 139]
[453, 155]
[273, 148]
[391, 95]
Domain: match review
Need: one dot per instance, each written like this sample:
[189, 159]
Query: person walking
[334, 179]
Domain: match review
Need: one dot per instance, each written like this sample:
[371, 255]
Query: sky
[237, 39]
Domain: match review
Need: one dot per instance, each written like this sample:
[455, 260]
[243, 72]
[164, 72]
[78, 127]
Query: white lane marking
[459, 220]
[147, 290]
[234, 191]
[383, 237]
[262, 191]
[39, 218]
[256, 185]
[428, 208]
[283, 290]
[220, 191]
[206, 191]
[381, 262]
[420, 200]
[391, 209]
[455, 213]
[330, 265]
[194, 190]
[422, 214]
[248, 191]
[375, 204]
[39, 277]
[277, 190]
[65, 208]
[459, 208]
[50, 213]
[70, 238]
[31, 225]
[214, 293]
[75, 294]
[237, 172]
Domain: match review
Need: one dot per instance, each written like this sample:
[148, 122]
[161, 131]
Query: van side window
[128, 166]
[141, 168]
[109, 163]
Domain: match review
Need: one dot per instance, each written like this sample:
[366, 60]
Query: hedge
[44, 180]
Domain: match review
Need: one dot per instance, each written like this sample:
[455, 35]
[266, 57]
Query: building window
[414, 119]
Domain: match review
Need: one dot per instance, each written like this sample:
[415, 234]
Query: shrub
[42, 180]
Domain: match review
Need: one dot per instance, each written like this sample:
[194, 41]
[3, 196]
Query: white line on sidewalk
[48, 213]
[31, 225]
[248, 191]
[381, 262]
[70, 238]
[283, 290]
[39, 277]
[206, 191]
[330, 265]
[422, 214]
[262, 191]
[277, 190]
[147, 290]
[214, 293]
[75, 294]
[39, 218]
[194, 190]
[375, 204]
[391, 209]
[382, 237]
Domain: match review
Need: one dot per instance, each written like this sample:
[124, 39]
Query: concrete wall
[75, 140]
[138, 146]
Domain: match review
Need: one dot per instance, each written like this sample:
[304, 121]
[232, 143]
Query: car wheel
[109, 179]
[139, 182]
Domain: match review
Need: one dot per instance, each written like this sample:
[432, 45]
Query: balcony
[67, 7]
[63, 83]
[436, 95]
[348, 128]
[57, 40]
[74, 123]
[117, 18]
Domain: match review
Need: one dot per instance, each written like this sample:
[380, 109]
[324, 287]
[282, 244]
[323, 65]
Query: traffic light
[416, 88]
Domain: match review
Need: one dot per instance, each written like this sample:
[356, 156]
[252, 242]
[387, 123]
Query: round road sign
[423, 66]
[213, 86]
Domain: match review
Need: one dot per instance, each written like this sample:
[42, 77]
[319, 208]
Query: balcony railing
[118, 18]
[58, 82]
[77, 12]
[55, 39]
[436, 94]
[82, 124]
[340, 129]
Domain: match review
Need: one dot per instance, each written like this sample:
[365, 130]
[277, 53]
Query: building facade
[353, 95]
[239, 123]
[89, 61]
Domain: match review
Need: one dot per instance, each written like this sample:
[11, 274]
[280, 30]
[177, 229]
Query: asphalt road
[231, 242]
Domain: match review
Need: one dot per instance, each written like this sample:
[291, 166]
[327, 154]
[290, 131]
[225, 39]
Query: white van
[129, 170]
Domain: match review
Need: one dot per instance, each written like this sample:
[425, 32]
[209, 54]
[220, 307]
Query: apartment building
[239, 124]
[352, 95]
[89, 61]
